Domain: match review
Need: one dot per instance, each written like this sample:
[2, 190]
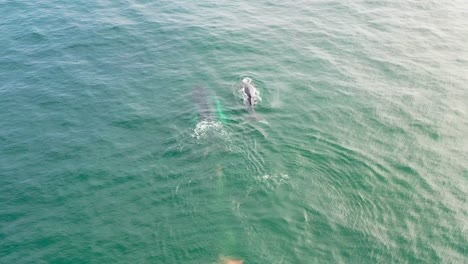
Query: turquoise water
[357, 153]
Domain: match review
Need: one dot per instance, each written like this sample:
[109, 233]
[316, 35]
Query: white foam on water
[275, 179]
[205, 129]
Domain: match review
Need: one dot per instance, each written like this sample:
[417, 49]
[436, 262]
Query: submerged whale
[200, 98]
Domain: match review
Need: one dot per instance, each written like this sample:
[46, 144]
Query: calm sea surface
[357, 152]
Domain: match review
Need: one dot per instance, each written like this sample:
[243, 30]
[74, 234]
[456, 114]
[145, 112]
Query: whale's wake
[209, 129]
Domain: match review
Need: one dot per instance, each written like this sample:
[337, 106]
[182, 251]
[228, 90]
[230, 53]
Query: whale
[201, 101]
[250, 93]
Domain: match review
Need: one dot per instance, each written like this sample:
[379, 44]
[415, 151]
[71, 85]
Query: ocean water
[357, 153]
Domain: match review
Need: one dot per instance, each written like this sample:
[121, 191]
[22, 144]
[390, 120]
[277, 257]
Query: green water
[357, 153]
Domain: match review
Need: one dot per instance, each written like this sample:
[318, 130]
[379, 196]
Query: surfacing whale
[250, 93]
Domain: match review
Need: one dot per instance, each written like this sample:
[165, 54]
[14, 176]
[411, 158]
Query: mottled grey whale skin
[249, 92]
[200, 98]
